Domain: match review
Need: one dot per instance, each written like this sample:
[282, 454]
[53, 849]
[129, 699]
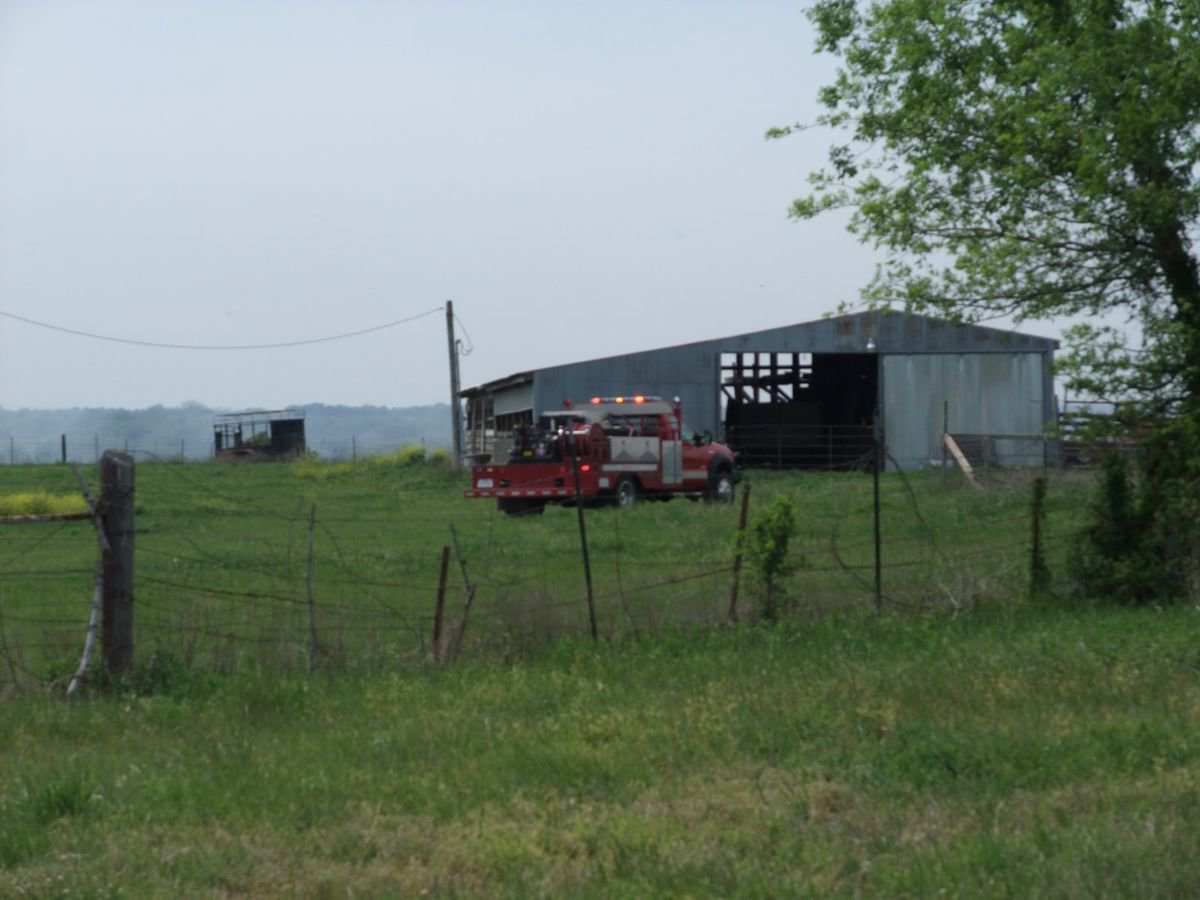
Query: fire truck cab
[615, 449]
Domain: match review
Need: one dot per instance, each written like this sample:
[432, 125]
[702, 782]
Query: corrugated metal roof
[891, 332]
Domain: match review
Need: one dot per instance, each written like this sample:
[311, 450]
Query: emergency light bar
[638, 399]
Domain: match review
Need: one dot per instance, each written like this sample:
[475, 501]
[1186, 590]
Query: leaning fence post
[116, 505]
[440, 608]
[457, 639]
[737, 558]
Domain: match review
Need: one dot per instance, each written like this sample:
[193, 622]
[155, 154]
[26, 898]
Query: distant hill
[335, 432]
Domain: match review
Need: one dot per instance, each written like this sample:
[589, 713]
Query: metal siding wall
[514, 399]
[988, 393]
[684, 372]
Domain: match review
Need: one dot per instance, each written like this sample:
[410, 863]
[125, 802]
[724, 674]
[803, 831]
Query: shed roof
[891, 332]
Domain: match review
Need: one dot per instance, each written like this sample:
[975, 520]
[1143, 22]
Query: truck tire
[721, 487]
[627, 493]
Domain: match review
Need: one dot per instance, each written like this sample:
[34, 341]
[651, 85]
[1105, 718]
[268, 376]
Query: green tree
[1033, 158]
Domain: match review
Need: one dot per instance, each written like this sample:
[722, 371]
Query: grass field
[1021, 752]
[968, 742]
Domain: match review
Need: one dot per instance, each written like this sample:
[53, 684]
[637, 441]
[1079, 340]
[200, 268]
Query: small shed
[270, 434]
[807, 395]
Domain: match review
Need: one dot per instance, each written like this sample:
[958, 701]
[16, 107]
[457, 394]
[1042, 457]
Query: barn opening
[799, 410]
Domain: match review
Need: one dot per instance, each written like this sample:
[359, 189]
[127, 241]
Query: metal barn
[806, 395]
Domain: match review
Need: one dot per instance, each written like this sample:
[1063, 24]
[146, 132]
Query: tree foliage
[1031, 158]
[1037, 159]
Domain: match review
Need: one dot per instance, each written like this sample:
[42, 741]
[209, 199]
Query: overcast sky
[581, 179]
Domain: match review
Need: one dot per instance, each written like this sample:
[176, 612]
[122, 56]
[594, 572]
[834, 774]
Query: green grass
[1013, 752]
[968, 742]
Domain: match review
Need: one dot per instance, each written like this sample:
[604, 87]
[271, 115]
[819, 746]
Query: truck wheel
[722, 488]
[627, 492]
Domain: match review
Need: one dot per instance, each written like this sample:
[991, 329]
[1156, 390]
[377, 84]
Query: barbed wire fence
[228, 581]
[195, 447]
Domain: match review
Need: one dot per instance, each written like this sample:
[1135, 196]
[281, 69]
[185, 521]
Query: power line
[169, 346]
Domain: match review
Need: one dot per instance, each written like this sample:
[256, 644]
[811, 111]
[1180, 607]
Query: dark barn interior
[800, 410]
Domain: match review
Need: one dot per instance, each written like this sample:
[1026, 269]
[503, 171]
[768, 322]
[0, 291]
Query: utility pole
[456, 437]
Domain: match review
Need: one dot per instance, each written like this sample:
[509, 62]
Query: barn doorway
[799, 410]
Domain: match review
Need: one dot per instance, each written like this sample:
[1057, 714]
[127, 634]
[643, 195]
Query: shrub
[412, 455]
[767, 554]
[406, 457]
[1142, 543]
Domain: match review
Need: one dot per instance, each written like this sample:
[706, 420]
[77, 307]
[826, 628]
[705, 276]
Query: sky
[579, 179]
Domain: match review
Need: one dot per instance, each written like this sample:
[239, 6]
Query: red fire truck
[614, 448]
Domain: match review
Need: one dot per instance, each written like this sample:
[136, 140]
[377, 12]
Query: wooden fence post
[63, 438]
[116, 505]
[737, 559]
[457, 639]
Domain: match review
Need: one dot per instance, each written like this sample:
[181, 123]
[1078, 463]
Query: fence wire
[225, 578]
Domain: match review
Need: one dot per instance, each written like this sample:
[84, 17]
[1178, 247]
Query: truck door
[672, 461]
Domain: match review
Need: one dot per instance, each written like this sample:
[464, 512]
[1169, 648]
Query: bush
[767, 554]
[406, 457]
[1142, 544]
